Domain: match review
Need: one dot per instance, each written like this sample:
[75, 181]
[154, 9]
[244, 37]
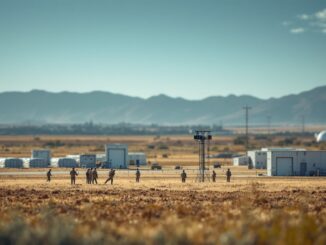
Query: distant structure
[116, 156]
[67, 163]
[38, 163]
[203, 137]
[100, 157]
[14, 163]
[289, 161]
[258, 158]
[136, 158]
[87, 161]
[241, 161]
[43, 155]
[296, 162]
[321, 137]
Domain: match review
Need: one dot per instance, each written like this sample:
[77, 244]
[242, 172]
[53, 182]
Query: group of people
[92, 176]
[228, 176]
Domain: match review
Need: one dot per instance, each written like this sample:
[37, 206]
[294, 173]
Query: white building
[42, 154]
[321, 137]
[116, 156]
[296, 162]
[14, 163]
[87, 161]
[241, 161]
[258, 159]
[54, 162]
[67, 163]
[2, 162]
[136, 158]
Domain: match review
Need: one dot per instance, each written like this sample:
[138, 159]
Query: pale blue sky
[187, 48]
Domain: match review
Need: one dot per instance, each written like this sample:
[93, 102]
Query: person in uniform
[73, 175]
[228, 175]
[87, 176]
[91, 176]
[214, 176]
[111, 176]
[183, 176]
[94, 176]
[137, 175]
[48, 175]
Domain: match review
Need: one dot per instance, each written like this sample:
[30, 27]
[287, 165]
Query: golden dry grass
[162, 210]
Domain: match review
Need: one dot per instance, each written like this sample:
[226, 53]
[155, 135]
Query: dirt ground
[162, 210]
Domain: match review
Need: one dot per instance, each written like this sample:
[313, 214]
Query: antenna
[202, 136]
[303, 124]
[247, 108]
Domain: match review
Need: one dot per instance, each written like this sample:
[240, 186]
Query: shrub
[240, 140]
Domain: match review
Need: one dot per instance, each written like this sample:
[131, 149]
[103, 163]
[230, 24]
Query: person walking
[94, 176]
[48, 175]
[183, 176]
[111, 176]
[91, 176]
[73, 175]
[137, 175]
[228, 175]
[214, 176]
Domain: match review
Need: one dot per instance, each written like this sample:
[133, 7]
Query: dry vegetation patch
[248, 212]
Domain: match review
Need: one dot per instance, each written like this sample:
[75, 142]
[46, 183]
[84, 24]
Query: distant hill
[103, 107]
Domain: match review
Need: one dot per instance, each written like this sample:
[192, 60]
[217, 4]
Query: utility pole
[303, 124]
[247, 108]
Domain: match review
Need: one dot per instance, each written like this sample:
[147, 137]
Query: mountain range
[39, 106]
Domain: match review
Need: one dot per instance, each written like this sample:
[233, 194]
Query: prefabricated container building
[136, 158]
[241, 161]
[257, 159]
[38, 163]
[116, 156]
[14, 163]
[298, 162]
[67, 163]
[87, 161]
[42, 154]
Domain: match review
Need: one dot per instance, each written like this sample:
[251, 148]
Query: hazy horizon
[154, 95]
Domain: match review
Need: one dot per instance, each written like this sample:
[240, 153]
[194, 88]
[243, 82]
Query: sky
[182, 48]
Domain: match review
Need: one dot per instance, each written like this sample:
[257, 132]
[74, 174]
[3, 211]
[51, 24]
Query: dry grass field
[249, 210]
[160, 209]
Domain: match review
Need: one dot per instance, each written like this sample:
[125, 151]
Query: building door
[284, 166]
[303, 168]
[117, 158]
